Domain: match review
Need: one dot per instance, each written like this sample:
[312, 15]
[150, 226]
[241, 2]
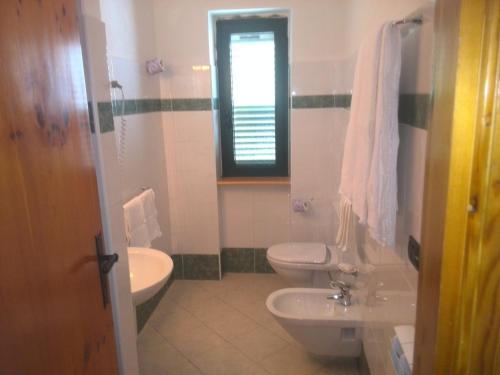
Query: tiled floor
[223, 327]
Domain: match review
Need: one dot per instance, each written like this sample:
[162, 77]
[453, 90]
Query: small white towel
[135, 223]
[346, 235]
[151, 214]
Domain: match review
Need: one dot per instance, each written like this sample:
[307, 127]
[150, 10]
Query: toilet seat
[294, 253]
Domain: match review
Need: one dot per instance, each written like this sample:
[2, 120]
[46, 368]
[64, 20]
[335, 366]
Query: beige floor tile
[177, 324]
[291, 361]
[258, 312]
[275, 328]
[167, 305]
[159, 315]
[149, 338]
[182, 287]
[241, 299]
[226, 360]
[232, 324]
[258, 344]
[210, 310]
[148, 368]
[340, 367]
[197, 342]
[213, 287]
[190, 296]
[266, 284]
[163, 359]
[231, 282]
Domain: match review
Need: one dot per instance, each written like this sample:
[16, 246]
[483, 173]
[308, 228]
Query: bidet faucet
[344, 296]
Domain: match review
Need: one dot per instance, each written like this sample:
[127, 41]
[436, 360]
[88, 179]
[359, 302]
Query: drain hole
[348, 334]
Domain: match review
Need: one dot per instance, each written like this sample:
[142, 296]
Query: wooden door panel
[55, 321]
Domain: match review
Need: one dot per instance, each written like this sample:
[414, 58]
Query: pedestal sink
[149, 271]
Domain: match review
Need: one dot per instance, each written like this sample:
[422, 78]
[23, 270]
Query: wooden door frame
[458, 317]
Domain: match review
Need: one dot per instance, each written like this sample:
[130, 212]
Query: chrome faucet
[344, 296]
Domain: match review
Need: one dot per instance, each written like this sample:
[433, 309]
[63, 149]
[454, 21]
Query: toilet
[304, 264]
[320, 325]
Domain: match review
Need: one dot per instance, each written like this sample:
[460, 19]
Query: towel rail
[143, 189]
[405, 20]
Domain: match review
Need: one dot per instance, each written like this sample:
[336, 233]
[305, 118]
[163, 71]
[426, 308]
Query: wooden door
[52, 317]
[458, 312]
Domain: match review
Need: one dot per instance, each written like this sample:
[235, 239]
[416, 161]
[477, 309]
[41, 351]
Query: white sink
[149, 271]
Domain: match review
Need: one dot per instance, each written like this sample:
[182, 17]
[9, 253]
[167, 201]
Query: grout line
[254, 261]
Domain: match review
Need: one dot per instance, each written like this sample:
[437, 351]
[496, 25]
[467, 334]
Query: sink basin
[149, 271]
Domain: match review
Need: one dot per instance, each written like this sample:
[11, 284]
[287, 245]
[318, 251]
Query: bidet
[323, 327]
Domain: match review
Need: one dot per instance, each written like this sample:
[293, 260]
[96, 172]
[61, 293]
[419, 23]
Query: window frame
[224, 29]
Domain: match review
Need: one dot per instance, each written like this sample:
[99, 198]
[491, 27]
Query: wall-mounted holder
[301, 205]
[155, 66]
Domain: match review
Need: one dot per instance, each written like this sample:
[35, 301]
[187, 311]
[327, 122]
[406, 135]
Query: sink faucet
[344, 296]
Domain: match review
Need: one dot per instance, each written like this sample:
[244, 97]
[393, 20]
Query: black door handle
[105, 263]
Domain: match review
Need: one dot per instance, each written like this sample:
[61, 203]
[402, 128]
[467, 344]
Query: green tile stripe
[200, 104]
[245, 260]
[105, 114]
[321, 101]
[196, 266]
[139, 106]
[413, 108]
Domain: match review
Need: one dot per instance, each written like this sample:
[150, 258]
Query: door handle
[105, 263]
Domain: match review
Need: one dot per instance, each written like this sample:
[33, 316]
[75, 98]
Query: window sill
[254, 181]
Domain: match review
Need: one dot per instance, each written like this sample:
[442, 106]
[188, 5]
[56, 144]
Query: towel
[346, 236]
[359, 137]
[151, 214]
[135, 223]
[368, 180]
[382, 182]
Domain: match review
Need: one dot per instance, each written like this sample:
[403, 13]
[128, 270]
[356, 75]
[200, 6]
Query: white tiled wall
[317, 139]
[131, 41]
[189, 144]
[254, 218]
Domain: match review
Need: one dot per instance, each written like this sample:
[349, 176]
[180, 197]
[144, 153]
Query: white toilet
[304, 264]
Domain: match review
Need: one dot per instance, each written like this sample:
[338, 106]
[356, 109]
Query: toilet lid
[299, 252]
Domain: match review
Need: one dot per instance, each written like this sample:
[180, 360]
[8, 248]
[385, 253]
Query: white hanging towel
[151, 214]
[135, 223]
[382, 192]
[368, 185]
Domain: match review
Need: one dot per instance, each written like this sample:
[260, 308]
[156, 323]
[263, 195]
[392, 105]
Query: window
[252, 63]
